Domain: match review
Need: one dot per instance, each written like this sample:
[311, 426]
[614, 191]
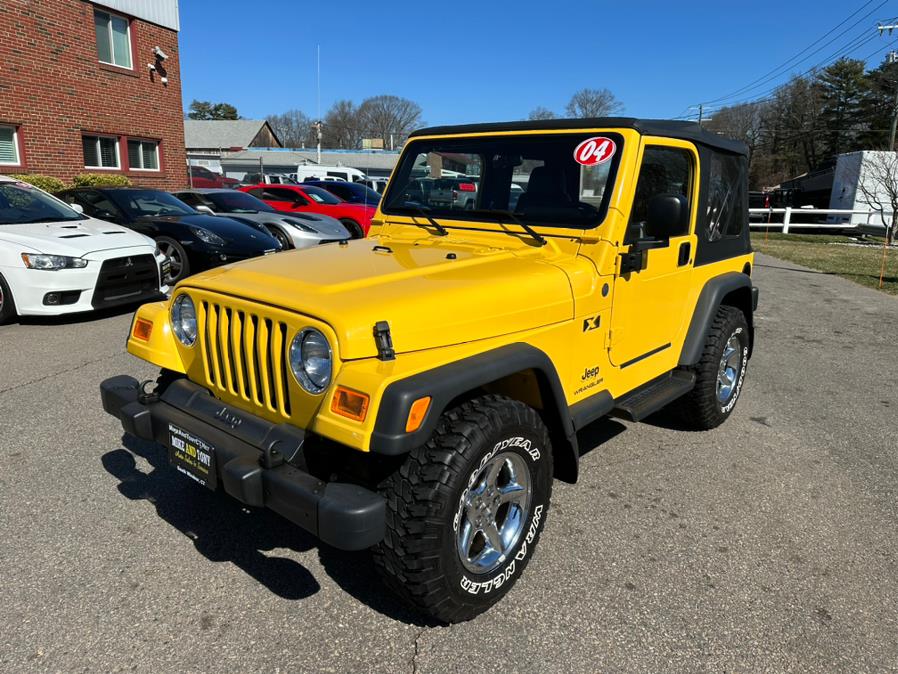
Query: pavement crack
[54, 375]
[417, 649]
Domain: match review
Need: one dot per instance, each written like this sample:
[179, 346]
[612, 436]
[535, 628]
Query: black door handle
[685, 250]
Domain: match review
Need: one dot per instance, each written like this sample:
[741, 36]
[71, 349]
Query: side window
[726, 197]
[665, 170]
[95, 203]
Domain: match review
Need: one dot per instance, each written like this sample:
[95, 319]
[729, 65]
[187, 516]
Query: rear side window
[726, 197]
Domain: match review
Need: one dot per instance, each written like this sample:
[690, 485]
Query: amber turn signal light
[142, 330]
[417, 413]
[350, 404]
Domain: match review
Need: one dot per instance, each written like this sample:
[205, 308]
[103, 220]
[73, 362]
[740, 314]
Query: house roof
[221, 133]
[651, 127]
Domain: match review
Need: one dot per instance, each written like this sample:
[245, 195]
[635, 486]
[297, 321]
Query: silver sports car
[293, 230]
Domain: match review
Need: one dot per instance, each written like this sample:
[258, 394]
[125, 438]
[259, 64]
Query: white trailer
[854, 169]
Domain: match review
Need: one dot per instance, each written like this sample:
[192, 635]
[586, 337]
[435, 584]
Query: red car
[202, 178]
[298, 198]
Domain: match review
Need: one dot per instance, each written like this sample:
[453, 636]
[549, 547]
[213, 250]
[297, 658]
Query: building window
[9, 146]
[143, 155]
[100, 152]
[113, 39]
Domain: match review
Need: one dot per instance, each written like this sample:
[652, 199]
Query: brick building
[91, 87]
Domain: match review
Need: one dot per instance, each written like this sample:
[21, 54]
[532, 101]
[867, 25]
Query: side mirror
[78, 208]
[667, 216]
[205, 209]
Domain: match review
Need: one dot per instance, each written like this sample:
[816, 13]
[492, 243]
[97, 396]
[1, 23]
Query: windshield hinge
[384, 341]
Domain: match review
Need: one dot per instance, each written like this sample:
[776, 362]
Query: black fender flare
[709, 301]
[447, 382]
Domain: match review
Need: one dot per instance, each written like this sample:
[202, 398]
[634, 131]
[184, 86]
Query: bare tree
[294, 128]
[342, 127]
[389, 117]
[593, 103]
[877, 186]
[540, 112]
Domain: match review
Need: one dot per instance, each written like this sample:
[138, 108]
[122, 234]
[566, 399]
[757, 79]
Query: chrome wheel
[493, 512]
[728, 370]
[175, 262]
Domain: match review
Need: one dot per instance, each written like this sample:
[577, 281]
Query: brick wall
[54, 89]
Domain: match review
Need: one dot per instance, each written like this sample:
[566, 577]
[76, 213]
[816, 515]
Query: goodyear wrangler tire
[719, 373]
[465, 511]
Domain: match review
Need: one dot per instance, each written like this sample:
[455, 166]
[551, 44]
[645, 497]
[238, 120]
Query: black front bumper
[255, 460]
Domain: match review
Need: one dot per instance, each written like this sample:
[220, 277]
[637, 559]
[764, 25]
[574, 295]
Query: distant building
[208, 140]
[374, 163]
[92, 88]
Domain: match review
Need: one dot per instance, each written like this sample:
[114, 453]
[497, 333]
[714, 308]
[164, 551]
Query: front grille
[245, 355]
[126, 279]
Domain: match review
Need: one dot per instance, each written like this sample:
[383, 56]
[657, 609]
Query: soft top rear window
[535, 177]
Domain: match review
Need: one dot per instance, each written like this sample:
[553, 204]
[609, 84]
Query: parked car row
[92, 247]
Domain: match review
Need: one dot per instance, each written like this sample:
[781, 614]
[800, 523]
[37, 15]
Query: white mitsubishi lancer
[55, 260]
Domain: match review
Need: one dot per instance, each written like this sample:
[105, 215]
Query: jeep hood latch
[384, 341]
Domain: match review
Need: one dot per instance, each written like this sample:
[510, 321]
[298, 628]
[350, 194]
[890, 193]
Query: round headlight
[183, 320]
[311, 360]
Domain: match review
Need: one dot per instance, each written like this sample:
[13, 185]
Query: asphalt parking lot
[767, 544]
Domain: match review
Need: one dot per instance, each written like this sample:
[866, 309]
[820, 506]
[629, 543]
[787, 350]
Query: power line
[780, 70]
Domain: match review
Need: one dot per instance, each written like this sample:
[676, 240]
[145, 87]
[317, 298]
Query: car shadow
[597, 433]
[224, 530]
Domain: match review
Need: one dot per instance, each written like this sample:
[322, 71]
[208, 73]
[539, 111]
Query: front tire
[285, 241]
[7, 304]
[720, 372]
[179, 265]
[355, 229]
[465, 510]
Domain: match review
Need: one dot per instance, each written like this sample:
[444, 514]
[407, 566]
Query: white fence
[786, 223]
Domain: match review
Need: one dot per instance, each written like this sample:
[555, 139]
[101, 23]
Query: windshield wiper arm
[539, 238]
[442, 231]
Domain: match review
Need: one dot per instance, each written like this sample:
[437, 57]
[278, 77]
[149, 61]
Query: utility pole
[892, 58]
[318, 123]
[701, 113]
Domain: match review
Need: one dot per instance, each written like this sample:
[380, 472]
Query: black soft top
[690, 131]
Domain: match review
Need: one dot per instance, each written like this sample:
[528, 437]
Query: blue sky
[488, 61]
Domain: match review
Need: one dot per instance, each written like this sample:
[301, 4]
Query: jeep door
[650, 299]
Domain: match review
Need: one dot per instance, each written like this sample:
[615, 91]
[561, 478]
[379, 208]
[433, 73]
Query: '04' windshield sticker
[595, 151]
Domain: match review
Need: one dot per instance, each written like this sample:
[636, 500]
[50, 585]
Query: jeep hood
[431, 295]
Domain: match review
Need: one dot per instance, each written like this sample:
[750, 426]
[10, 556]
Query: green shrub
[46, 183]
[100, 180]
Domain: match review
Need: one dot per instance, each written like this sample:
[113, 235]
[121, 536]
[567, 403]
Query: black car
[354, 193]
[191, 241]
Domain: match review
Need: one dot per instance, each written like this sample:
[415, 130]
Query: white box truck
[854, 169]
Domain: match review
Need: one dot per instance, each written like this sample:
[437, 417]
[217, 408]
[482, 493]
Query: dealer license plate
[192, 456]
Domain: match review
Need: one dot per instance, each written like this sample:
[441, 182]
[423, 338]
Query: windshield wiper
[442, 231]
[47, 219]
[539, 238]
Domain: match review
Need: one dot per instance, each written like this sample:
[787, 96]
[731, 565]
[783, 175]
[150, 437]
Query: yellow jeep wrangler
[417, 391]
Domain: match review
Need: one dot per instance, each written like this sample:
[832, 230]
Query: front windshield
[320, 196]
[558, 180]
[21, 203]
[237, 202]
[144, 203]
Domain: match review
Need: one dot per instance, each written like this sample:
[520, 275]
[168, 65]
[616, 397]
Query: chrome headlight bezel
[184, 334]
[312, 379]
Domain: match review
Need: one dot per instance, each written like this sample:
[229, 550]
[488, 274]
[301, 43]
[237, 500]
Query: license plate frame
[192, 456]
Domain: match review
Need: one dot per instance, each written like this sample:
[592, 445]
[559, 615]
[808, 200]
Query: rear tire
[481, 482]
[355, 229]
[177, 256]
[720, 372]
[7, 304]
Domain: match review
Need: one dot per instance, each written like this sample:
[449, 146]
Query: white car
[55, 260]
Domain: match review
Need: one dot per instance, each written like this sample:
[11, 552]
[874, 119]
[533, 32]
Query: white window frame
[97, 10]
[155, 144]
[118, 156]
[15, 145]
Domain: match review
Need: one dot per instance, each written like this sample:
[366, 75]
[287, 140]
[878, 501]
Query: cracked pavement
[767, 544]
